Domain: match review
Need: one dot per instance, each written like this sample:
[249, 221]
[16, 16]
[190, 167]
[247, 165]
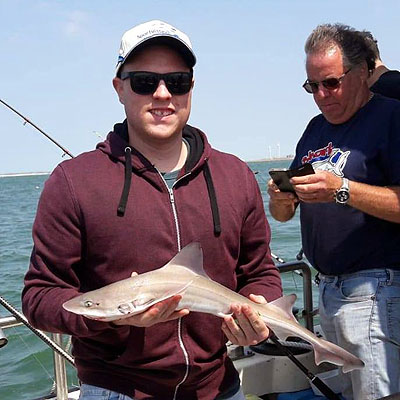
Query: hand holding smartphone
[281, 177]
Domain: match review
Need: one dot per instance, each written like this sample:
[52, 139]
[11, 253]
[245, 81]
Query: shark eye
[88, 303]
[124, 308]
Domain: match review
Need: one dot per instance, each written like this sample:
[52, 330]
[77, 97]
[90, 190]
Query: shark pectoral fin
[175, 291]
[222, 315]
[285, 304]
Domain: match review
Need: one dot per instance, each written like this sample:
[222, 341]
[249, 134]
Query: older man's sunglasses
[143, 82]
[330, 83]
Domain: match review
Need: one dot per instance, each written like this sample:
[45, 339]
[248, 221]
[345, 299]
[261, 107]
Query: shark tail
[325, 351]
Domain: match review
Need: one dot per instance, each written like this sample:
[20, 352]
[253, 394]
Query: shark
[184, 275]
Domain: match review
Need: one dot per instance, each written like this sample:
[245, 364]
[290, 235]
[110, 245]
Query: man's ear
[117, 83]
[365, 73]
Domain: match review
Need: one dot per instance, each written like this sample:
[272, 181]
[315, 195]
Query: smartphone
[281, 177]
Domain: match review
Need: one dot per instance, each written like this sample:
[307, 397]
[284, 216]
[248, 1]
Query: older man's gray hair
[351, 42]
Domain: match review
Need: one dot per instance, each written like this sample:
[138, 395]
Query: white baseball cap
[158, 32]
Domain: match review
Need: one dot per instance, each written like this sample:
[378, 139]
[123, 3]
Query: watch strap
[342, 195]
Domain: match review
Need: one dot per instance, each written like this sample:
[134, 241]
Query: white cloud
[76, 23]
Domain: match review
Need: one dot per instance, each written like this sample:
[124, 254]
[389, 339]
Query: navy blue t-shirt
[388, 85]
[338, 239]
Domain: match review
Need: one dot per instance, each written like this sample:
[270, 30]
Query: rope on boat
[19, 316]
[299, 345]
[271, 348]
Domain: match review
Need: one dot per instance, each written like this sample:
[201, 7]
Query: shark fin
[223, 315]
[325, 351]
[190, 259]
[285, 304]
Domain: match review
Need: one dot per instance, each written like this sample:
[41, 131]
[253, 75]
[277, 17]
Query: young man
[154, 186]
[350, 208]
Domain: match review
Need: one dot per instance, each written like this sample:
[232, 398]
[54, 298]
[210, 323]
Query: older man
[151, 188]
[350, 208]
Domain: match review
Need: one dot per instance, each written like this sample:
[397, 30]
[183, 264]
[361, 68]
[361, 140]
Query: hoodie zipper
[178, 237]
[172, 201]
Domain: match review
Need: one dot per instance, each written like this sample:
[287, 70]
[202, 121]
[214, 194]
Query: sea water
[26, 363]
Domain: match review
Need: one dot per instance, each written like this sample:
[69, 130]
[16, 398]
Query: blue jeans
[89, 392]
[361, 313]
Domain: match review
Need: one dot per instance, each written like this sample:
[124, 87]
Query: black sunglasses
[143, 82]
[330, 83]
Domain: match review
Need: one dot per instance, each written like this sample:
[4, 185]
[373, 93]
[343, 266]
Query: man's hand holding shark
[162, 311]
[244, 327]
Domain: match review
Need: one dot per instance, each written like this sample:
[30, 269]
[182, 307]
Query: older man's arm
[282, 205]
[380, 202]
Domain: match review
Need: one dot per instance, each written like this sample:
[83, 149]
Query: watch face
[342, 196]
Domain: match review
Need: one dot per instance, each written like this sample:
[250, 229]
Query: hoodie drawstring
[213, 199]
[207, 176]
[127, 183]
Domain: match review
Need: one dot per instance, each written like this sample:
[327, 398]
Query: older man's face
[340, 104]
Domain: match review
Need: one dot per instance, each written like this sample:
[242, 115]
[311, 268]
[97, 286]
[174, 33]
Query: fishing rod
[21, 317]
[323, 388]
[299, 257]
[36, 127]
[317, 382]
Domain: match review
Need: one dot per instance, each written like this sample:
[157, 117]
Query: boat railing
[55, 342]
[304, 270]
[60, 355]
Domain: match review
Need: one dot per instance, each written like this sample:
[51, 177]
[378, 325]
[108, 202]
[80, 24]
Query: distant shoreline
[13, 174]
[287, 158]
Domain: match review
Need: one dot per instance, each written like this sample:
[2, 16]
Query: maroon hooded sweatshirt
[109, 212]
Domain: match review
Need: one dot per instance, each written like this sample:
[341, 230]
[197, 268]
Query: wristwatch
[342, 195]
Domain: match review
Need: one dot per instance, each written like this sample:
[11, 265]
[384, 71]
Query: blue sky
[58, 59]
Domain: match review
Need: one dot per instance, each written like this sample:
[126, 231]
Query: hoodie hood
[117, 141]
[118, 148]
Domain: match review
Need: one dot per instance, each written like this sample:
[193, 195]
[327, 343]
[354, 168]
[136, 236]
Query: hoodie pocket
[108, 346]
